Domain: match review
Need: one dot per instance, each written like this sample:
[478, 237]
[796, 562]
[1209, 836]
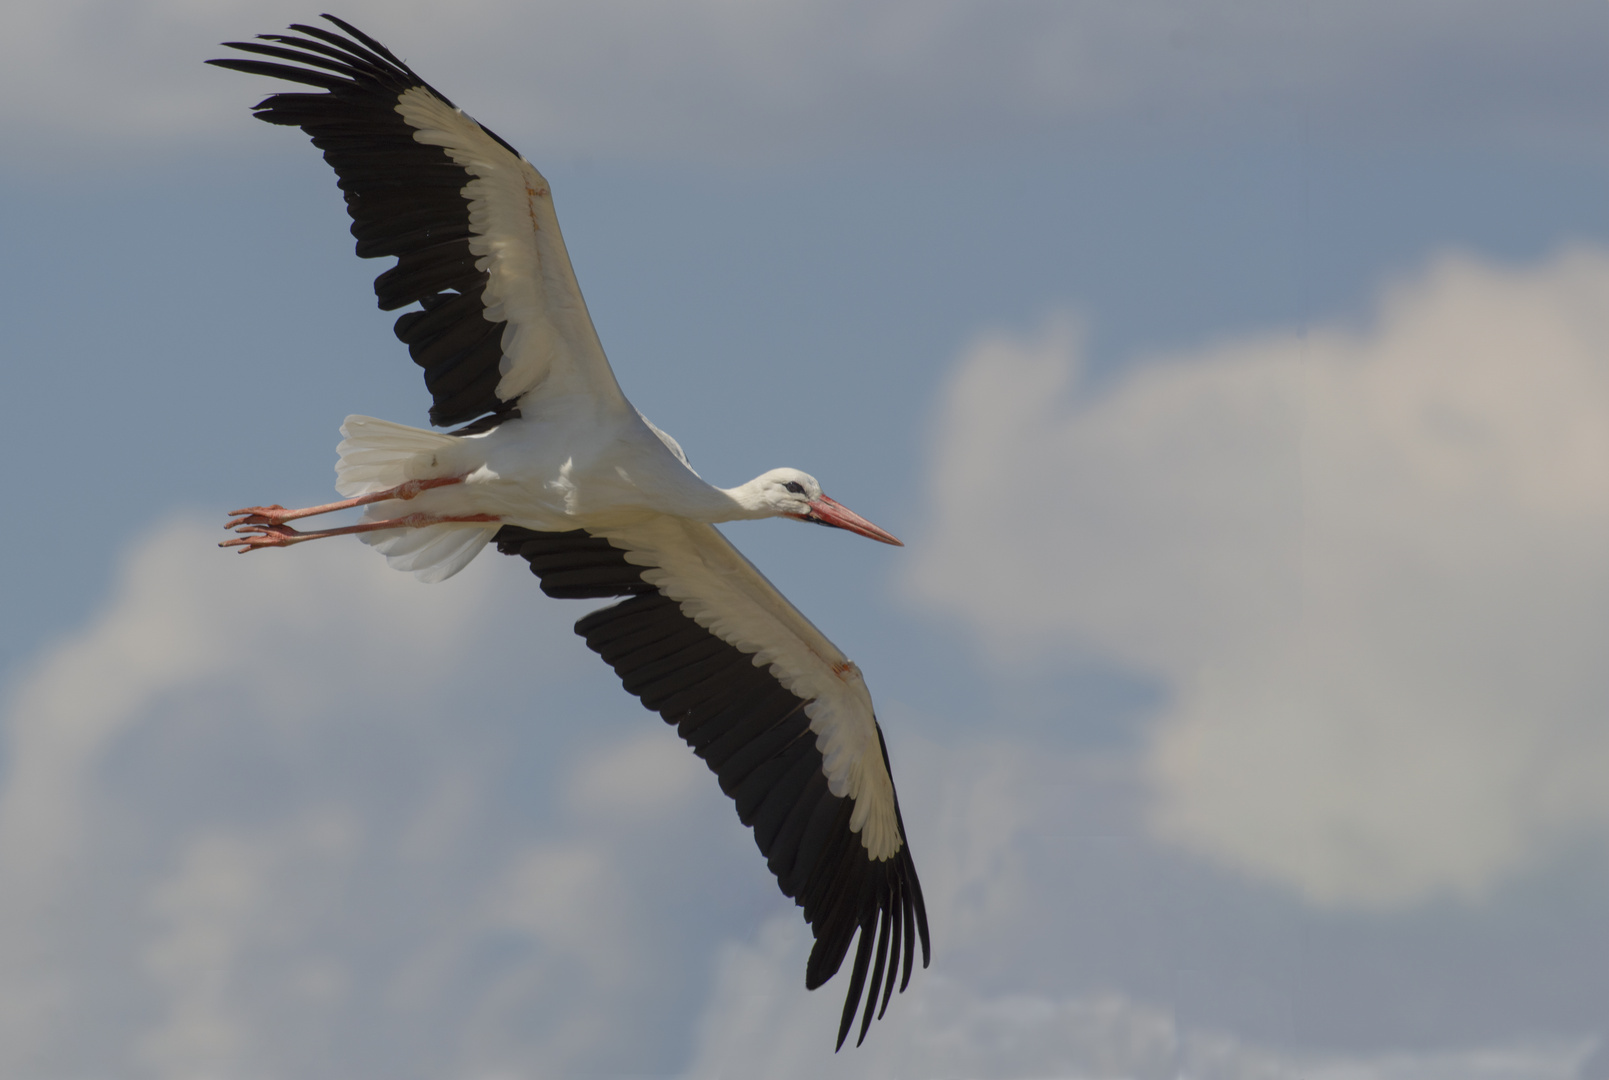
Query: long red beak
[825, 511]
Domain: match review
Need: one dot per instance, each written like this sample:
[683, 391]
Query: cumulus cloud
[755, 1027]
[758, 81]
[1369, 563]
[260, 796]
[263, 816]
[299, 815]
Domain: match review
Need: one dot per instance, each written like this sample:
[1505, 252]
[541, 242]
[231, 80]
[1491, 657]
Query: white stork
[554, 465]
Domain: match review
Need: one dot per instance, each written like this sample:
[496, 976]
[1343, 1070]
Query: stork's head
[791, 493]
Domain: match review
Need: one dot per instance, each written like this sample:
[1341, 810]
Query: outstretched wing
[779, 714]
[470, 221]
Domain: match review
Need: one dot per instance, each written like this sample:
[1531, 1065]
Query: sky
[1236, 373]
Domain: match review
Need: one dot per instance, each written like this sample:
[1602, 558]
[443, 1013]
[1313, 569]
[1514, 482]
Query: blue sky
[1235, 374]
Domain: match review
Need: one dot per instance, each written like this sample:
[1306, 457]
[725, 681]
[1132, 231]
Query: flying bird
[552, 464]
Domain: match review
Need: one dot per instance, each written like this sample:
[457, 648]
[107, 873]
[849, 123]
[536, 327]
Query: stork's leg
[278, 515]
[265, 535]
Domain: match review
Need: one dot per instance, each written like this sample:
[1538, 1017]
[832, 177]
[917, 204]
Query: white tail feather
[431, 553]
[377, 454]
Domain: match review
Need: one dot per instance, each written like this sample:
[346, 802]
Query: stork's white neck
[767, 495]
[746, 502]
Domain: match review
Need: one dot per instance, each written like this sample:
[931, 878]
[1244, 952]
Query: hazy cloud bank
[756, 1027]
[304, 816]
[1369, 562]
[260, 797]
[780, 80]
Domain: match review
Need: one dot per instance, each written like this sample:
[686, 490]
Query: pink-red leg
[278, 515]
[265, 535]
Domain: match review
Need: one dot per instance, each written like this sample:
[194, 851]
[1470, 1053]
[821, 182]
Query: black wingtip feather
[895, 911]
[875, 986]
[332, 46]
[857, 977]
[373, 45]
[277, 71]
[910, 933]
[398, 190]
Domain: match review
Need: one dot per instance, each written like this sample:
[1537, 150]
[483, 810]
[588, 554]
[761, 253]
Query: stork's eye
[795, 487]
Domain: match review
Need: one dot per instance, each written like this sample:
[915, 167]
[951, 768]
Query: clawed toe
[257, 515]
[254, 536]
[264, 526]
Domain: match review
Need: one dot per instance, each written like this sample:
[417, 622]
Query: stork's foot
[278, 515]
[259, 515]
[252, 536]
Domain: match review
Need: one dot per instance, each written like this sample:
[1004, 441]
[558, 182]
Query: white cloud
[1369, 563]
[281, 815]
[261, 817]
[179, 622]
[269, 795]
[755, 81]
[230, 896]
[754, 1026]
[296, 814]
[641, 778]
